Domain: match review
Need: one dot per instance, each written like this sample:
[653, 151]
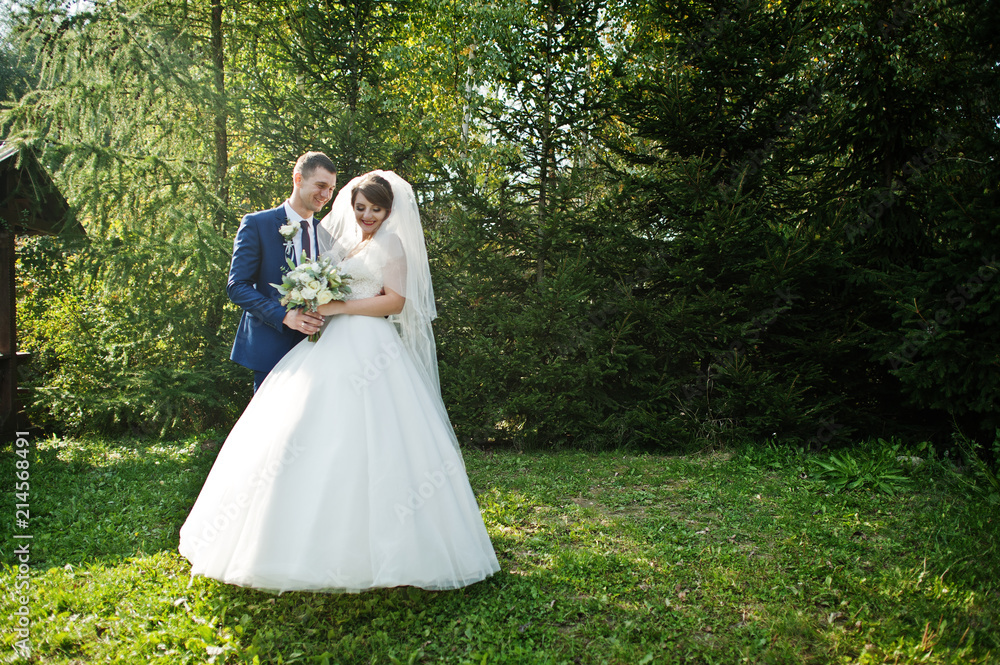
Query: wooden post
[29, 204]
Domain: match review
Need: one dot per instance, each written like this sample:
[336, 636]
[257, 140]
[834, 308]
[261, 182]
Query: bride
[343, 473]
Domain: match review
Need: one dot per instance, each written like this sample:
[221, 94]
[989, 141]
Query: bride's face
[369, 215]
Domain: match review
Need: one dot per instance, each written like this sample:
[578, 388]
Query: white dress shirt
[296, 219]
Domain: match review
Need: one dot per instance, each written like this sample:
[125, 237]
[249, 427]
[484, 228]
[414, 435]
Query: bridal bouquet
[311, 284]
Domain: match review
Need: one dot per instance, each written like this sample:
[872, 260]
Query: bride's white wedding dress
[342, 474]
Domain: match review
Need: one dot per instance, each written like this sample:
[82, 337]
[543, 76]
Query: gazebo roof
[29, 200]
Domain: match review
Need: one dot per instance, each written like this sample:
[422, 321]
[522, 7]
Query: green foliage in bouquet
[311, 284]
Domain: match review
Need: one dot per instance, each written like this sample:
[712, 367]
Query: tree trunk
[546, 146]
[221, 176]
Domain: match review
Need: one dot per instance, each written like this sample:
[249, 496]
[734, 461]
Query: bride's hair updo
[376, 189]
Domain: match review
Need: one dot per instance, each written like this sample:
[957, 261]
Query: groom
[266, 331]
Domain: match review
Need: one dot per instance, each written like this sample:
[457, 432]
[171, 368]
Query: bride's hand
[379, 306]
[331, 308]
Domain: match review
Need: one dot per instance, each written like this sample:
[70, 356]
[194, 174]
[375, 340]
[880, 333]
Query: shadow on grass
[605, 558]
[102, 502]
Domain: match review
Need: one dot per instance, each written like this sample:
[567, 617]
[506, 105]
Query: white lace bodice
[366, 278]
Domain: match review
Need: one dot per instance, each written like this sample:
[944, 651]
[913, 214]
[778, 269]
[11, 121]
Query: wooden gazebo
[29, 204]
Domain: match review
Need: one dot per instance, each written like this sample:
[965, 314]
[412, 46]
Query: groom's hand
[302, 321]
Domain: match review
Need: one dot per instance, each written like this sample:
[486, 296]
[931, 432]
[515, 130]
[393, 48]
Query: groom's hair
[310, 161]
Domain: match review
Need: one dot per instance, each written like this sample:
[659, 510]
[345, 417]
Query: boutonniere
[288, 231]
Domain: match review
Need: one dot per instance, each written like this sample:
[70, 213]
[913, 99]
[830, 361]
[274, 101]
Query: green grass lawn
[606, 558]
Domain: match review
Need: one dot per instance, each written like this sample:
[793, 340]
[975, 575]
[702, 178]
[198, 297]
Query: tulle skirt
[341, 475]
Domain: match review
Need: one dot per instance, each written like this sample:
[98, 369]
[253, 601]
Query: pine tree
[122, 117]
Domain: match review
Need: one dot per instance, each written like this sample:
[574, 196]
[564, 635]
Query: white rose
[307, 293]
[324, 296]
[314, 285]
[295, 295]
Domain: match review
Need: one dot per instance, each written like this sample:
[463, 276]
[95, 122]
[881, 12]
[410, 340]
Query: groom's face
[315, 189]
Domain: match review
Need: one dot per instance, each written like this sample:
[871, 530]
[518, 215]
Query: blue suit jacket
[258, 261]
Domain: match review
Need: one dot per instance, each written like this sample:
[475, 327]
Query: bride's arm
[380, 305]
